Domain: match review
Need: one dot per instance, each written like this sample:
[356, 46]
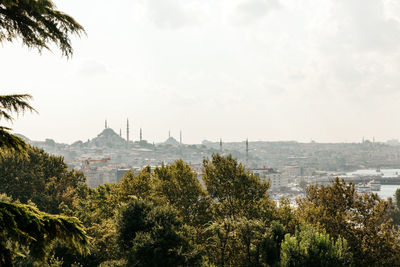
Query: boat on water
[375, 185]
[367, 188]
[363, 188]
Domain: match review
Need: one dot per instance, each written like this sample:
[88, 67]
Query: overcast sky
[326, 70]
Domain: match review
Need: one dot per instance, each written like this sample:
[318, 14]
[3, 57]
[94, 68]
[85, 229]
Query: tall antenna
[169, 134]
[220, 145]
[247, 150]
[140, 134]
[127, 130]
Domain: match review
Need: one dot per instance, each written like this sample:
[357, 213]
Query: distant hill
[108, 138]
[171, 141]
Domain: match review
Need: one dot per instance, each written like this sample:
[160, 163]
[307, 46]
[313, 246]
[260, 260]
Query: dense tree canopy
[310, 247]
[177, 184]
[154, 236]
[194, 214]
[362, 219]
[236, 191]
[166, 216]
[39, 177]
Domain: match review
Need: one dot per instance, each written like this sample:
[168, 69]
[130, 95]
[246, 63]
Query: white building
[278, 181]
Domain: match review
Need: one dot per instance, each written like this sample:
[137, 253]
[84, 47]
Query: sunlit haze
[307, 70]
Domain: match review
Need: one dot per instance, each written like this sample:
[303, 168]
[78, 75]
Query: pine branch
[37, 23]
[14, 103]
[25, 227]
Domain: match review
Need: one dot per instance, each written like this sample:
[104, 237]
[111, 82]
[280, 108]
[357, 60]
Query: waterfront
[387, 191]
[385, 173]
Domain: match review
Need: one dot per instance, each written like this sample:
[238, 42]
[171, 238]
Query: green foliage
[236, 193]
[286, 215]
[397, 198]
[154, 236]
[166, 217]
[244, 242]
[10, 142]
[394, 211]
[361, 219]
[12, 104]
[177, 185]
[44, 180]
[26, 230]
[39, 177]
[37, 23]
[133, 220]
[309, 247]
[97, 209]
[140, 185]
[235, 242]
[271, 243]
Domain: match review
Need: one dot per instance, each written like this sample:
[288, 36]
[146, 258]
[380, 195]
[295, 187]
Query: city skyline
[178, 136]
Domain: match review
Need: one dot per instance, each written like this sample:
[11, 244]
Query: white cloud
[362, 25]
[248, 11]
[92, 68]
[168, 14]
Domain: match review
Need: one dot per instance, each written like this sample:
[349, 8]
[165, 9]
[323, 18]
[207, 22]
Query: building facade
[277, 180]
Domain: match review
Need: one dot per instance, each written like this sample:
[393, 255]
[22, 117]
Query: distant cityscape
[106, 157]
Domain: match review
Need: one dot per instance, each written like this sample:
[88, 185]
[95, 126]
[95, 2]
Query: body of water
[385, 173]
[386, 190]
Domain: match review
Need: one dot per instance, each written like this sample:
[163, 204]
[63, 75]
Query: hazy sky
[327, 70]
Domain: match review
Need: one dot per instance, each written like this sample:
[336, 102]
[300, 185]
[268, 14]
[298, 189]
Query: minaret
[154, 150]
[105, 124]
[180, 137]
[169, 134]
[120, 132]
[127, 130]
[247, 150]
[141, 135]
[220, 145]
